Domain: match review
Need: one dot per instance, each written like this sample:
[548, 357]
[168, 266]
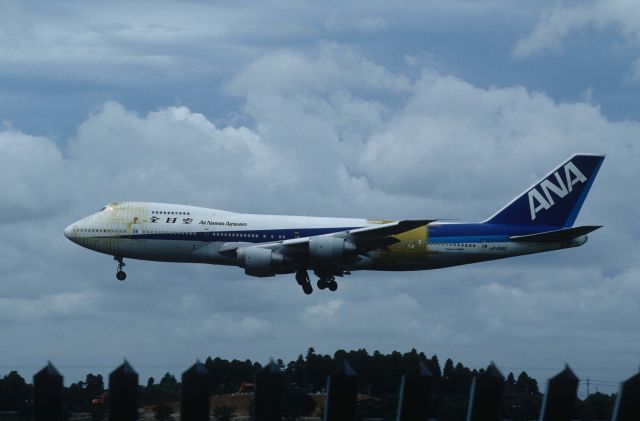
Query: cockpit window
[108, 207]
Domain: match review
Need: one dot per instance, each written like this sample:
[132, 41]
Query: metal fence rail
[484, 403]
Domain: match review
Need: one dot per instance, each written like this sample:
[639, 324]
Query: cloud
[290, 72]
[247, 327]
[394, 315]
[169, 152]
[50, 307]
[31, 166]
[324, 131]
[562, 20]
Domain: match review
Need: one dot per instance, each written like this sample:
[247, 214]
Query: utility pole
[588, 380]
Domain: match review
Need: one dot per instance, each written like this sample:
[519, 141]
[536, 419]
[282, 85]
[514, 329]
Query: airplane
[538, 220]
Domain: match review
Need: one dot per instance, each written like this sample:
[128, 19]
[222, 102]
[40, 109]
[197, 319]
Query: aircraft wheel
[307, 288]
[121, 276]
[302, 277]
[333, 285]
[322, 283]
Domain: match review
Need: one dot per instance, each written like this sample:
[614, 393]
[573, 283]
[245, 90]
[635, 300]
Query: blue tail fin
[556, 199]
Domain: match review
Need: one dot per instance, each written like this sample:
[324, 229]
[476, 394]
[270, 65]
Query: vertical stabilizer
[556, 199]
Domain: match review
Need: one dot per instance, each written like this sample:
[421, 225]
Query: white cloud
[32, 167]
[172, 152]
[562, 20]
[294, 73]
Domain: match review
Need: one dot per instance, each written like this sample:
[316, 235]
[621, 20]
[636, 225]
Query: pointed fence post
[415, 394]
[342, 393]
[196, 385]
[48, 389]
[267, 399]
[560, 399]
[627, 407]
[123, 393]
[485, 397]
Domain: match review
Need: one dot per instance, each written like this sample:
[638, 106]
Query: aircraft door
[136, 229]
[137, 242]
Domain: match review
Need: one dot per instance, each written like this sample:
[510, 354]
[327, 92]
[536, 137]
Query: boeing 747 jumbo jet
[540, 219]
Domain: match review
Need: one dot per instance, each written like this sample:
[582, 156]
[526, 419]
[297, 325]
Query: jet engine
[258, 261]
[325, 248]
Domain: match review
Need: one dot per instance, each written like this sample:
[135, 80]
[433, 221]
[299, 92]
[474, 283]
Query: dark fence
[484, 404]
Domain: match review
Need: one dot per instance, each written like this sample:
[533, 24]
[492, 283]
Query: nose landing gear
[120, 274]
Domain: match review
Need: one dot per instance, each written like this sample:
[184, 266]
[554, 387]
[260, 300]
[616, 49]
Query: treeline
[378, 378]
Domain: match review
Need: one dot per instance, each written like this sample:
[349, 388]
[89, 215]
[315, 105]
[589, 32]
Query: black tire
[121, 276]
[333, 285]
[307, 288]
[301, 277]
[322, 284]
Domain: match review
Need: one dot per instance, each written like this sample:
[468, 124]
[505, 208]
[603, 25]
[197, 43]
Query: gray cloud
[318, 129]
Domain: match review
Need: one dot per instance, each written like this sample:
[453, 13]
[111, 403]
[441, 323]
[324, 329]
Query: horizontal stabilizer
[564, 234]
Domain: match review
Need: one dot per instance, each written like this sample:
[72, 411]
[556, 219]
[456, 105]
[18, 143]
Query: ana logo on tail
[539, 201]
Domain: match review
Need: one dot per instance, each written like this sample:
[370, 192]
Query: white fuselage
[181, 233]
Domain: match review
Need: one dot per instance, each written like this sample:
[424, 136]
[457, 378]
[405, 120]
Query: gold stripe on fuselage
[411, 247]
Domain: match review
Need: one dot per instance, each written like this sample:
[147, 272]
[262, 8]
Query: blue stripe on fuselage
[249, 236]
[478, 232]
[438, 233]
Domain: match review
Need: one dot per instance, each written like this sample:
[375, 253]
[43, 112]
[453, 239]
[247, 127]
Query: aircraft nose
[68, 231]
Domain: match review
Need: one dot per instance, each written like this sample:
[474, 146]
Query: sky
[419, 109]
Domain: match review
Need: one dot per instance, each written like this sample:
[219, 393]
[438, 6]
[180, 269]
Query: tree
[448, 372]
[296, 404]
[75, 399]
[168, 383]
[94, 387]
[435, 367]
[98, 412]
[14, 392]
[169, 389]
[597, 406]
[522, 399]
[223, 413]
[163, 413]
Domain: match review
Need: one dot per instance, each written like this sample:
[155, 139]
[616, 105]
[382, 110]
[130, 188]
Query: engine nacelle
[258, 261]
[324, 248]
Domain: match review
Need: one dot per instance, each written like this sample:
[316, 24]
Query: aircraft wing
[366, 238]
[385, 230]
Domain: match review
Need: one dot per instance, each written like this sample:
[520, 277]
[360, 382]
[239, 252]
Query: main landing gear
[325, 282]
[302, 277]
[328, 282]
[120, 274]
